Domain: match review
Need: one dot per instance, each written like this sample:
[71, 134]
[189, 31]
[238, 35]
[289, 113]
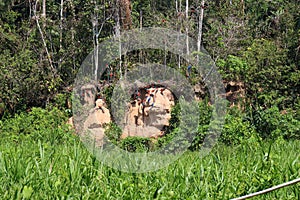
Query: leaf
[27, 191]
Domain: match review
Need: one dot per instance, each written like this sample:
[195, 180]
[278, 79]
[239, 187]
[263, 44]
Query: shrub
[131, 144]
[271, 123]
[233, 68]
[204, 121]
[108, 92]
[236, 129]
[39, 124]
[136, 144]
[62, 101]
[113, 132]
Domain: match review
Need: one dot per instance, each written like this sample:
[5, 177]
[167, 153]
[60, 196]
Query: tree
[187, 27]
[268, 75]
[200, 25]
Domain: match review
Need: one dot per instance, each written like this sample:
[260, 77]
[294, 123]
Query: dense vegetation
[253, 42]
[256, 42]
[51, 162]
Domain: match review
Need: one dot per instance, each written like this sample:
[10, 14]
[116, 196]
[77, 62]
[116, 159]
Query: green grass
[62, 168]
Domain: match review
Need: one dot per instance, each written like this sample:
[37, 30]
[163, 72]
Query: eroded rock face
[94, 124]
[235, 93]
[88, 94]
[199, 91]
[149, 114]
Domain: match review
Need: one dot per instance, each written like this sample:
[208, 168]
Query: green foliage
[27, 192]
[107, 93]
[257, 42]
[113, 132]
[61, 102]
[236, 129]
[175, 118]
[38, 124]
[23, 83]
[39, 170]
[226, 34]
[268, 79]
[31, 78]
[232, 68]
[271, 123]
[136, 144]
[253, 41]
[274, 19]
[204, 120]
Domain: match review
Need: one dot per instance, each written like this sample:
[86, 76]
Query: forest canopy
[43, 44]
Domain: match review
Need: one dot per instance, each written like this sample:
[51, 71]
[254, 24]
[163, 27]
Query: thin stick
[269, 189]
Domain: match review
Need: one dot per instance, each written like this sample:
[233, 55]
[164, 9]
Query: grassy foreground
[57, 166]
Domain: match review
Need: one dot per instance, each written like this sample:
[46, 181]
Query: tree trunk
[187, 27]
[43, 16]
[61, 31]
[141, 27]
[44, 9]
[30, 12]
[141, 20]
[178, 10]
[118, 34]
[180, 5]
[187, 9]
[200, 25]
[243, 7]
[124, 7]
[95, 41]
[43, 38]
[73, 33]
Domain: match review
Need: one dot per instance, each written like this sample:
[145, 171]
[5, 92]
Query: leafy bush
[232, 68]
[136, 144]
[204, 119]
[131, 144]
[236, 129]
[175, 118]
[271, 123]
[270, 79]
[63, 102]
[108, 92]
[23, 82]
[39, 124]
[113, 132]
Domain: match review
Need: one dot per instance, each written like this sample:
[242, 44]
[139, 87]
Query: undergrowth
[44, 160]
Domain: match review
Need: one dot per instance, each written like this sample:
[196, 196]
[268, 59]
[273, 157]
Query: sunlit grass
[41, 169]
